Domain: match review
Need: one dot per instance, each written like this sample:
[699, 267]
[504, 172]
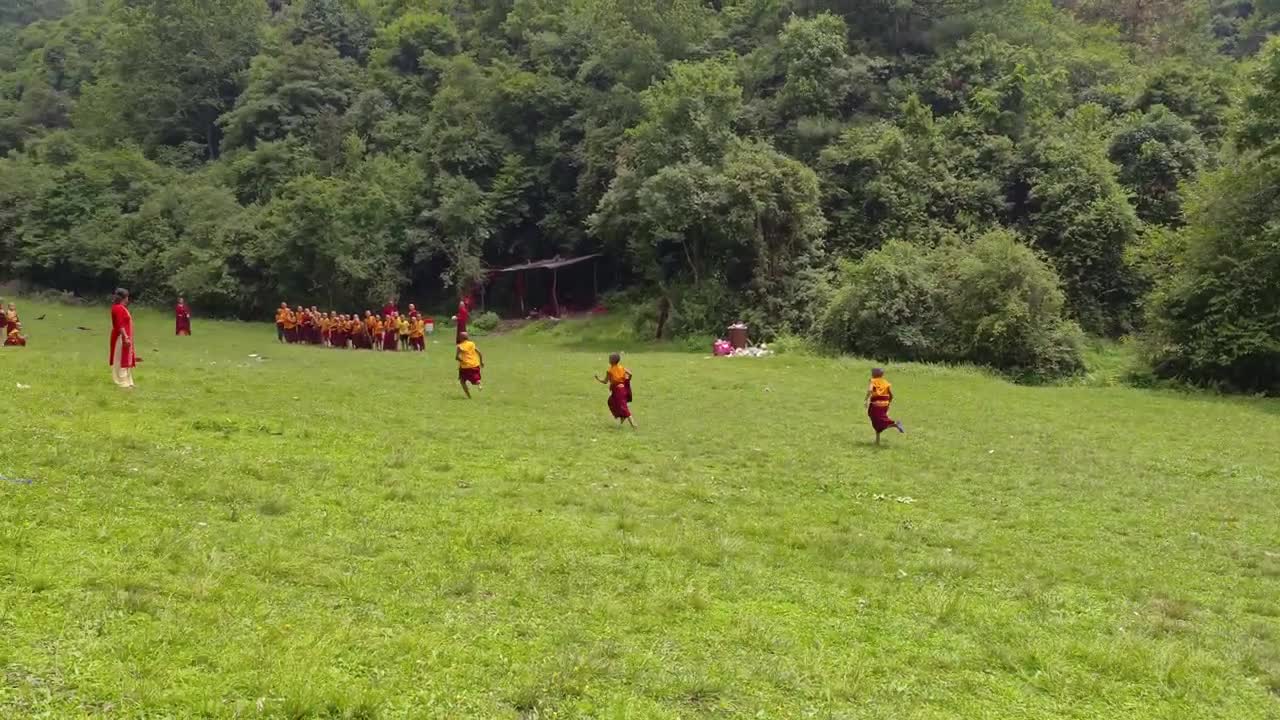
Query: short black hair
[119, 294]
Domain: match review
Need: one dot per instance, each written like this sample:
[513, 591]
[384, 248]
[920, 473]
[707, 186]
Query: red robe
[619, 396]
[121, 327]
[464, 314]
[182, 318]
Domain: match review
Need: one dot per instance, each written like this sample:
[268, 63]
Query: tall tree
[174, 67]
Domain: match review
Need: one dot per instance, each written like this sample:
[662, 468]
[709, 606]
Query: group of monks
[11, 326]
[389, 331]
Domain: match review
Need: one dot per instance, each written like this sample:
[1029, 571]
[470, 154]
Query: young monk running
[182, 318]
[618, 379]
[470, 363]
[402, 327]
[15, 338]
[418, 334]
[11, 319]
[879, 397]
[351, 327]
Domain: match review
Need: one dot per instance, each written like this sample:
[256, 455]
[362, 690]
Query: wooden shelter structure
[554, 264]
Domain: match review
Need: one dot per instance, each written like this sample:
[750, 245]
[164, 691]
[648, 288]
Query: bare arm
[866, 402]
[481, 356]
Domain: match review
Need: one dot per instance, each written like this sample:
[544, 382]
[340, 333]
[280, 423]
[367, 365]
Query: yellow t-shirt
[403, 325]
[880, 392]
[617, 374]
[468, 356]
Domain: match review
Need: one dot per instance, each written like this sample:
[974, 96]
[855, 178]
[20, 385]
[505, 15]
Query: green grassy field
[339, 534]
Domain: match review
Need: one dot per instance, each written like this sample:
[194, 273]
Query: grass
[317, 534]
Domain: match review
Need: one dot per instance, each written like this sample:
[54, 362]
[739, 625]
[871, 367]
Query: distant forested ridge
[922, 179]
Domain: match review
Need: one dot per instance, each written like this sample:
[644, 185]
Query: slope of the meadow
[315, 533]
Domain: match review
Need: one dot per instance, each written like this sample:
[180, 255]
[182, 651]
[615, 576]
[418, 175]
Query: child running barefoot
[618, 379]
[470, 363]
[879, 397]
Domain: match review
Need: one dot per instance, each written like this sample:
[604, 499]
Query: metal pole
[555, 300]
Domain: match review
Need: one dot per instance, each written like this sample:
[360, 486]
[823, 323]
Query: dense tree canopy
[726, 157]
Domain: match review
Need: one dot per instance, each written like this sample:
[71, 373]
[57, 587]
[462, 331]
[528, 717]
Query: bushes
[991, 301]
[1004, 307]
[1215, 320]
[888, 306]
[484, 322]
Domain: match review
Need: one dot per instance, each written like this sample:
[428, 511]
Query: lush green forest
[968, 180]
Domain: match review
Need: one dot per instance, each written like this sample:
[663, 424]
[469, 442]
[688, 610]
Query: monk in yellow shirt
[470, 363]
[290, 326]
[371, 328]
[281, 314]
[618, 379]
[417, 334]
[402, 327]
[15, 338]
[879, 397]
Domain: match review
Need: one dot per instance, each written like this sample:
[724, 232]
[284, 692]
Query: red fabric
[470, 375]
[418, 343]
[182, 319]
[619, 395]
[15, 342]
[464, 315]
[389, 341]
[388, 310]
[121, 327]
[880, 418]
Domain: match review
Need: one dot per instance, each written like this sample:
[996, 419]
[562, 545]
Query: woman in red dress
[122, 357]
[182, 315]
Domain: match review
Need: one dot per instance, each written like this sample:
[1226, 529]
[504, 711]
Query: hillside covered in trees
[917, 179]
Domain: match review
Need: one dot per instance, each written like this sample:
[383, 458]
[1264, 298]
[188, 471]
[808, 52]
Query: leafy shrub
[1004, 307]
[1216, 319]
[792, 345]
[888, 306]
[991, 301]
[484, 322]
